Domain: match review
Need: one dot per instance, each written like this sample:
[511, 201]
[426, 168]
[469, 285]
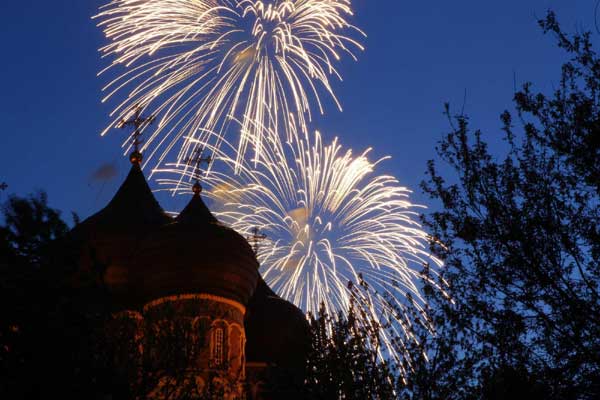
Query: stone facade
[192, 317]
[192, 344]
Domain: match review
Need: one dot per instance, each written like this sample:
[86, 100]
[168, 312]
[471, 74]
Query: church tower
[191, 315]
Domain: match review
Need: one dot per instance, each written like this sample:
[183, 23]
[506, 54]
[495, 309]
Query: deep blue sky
[419, 55]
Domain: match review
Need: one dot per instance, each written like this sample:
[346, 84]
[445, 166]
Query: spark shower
[329, 219]
[242, 79]
[199, 64]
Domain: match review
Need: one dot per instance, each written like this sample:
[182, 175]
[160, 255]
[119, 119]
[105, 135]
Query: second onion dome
[197, 254]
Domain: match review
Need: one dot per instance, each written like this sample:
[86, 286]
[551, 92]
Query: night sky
[419, 55]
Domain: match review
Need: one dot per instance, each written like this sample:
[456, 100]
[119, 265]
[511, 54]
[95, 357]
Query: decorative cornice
[197, 296]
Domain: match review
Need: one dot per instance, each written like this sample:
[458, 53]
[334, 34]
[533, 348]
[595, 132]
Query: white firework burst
[198, 64]
[329, 221]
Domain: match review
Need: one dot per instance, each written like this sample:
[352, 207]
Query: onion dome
[108, 241]
[277, 332]
[196, 254]
[132, 208]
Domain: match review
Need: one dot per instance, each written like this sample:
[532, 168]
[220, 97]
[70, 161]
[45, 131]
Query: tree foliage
[30, 226]
[46, 329]
[520, 235]
[344, 362]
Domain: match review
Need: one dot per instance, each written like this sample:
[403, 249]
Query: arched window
[217, 347]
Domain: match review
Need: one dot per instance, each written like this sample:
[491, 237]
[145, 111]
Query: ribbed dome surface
[196, 254]
[277, 331]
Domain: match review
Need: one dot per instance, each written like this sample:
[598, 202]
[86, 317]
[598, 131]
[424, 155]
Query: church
[192, 317]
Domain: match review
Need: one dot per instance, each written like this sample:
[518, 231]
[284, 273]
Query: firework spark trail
[329, 220]
[199, 63]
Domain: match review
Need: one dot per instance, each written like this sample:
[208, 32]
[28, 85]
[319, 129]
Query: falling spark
[328, 220]
[198, 64]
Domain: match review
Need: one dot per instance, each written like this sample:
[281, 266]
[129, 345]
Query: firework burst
[328, 220]
[198, 64]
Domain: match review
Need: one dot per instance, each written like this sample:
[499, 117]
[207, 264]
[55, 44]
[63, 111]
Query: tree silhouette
[520, 234]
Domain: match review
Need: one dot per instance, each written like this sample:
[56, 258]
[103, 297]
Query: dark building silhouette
[191, 313]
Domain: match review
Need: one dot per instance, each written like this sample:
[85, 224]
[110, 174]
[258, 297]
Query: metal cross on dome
[139, 123]
[196, 161]
[3, 186]
[256, 239]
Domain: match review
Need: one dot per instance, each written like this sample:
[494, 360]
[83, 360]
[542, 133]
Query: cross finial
[3, 186]
[138, 122]
[196, 160]
[256, 239]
